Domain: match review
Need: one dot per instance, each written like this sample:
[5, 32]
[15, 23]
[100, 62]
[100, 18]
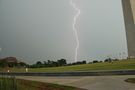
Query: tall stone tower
[129, 17]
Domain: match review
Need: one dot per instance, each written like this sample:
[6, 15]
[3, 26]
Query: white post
[26, 69]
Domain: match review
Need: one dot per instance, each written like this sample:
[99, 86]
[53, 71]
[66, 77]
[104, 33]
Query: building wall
[133, 8]
[129, 17]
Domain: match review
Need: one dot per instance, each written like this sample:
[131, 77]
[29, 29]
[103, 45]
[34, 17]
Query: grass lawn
[130, 80]
[117, 65]
[34, 85]
[8, 83]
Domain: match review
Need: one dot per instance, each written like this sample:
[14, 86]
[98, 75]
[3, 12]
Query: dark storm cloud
[42, 29]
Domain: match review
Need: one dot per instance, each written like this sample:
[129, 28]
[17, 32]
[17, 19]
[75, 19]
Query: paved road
[76, 73]
[89, 82]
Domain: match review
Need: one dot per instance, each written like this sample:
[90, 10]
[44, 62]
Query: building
[129, 17]
[11, 62]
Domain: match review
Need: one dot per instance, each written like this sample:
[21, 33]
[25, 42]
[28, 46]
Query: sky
[39, 30]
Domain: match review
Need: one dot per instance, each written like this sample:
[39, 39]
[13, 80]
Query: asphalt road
[76, 73]
[89, 82]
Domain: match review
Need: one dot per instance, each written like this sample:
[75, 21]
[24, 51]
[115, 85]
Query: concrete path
[89, 82]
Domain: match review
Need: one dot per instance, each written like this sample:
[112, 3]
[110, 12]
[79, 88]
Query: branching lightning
[74, 28]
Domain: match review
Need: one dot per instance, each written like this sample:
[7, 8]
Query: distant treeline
[63, 62]
[13, 62]
[58, 63]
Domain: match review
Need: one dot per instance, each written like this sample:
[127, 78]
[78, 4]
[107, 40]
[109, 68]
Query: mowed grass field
[34, 85]
[116, 65]
[130, 80]
[9, 83]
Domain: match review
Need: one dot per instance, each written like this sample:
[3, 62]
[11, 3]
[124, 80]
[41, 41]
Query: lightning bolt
[74, 28]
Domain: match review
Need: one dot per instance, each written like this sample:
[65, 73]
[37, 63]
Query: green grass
[34, 85]
[6, 83]
[117, 65]
[130, 80]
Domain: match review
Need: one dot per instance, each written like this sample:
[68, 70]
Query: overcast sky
[42, 29]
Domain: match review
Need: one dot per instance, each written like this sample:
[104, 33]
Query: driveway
[89, 82]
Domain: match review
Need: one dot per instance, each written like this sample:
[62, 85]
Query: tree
[3, 63]
[55, 64]
[108, 60]
[22, 64]
[95, 61]
[84, 62]
[62, 62]
[39, 64]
